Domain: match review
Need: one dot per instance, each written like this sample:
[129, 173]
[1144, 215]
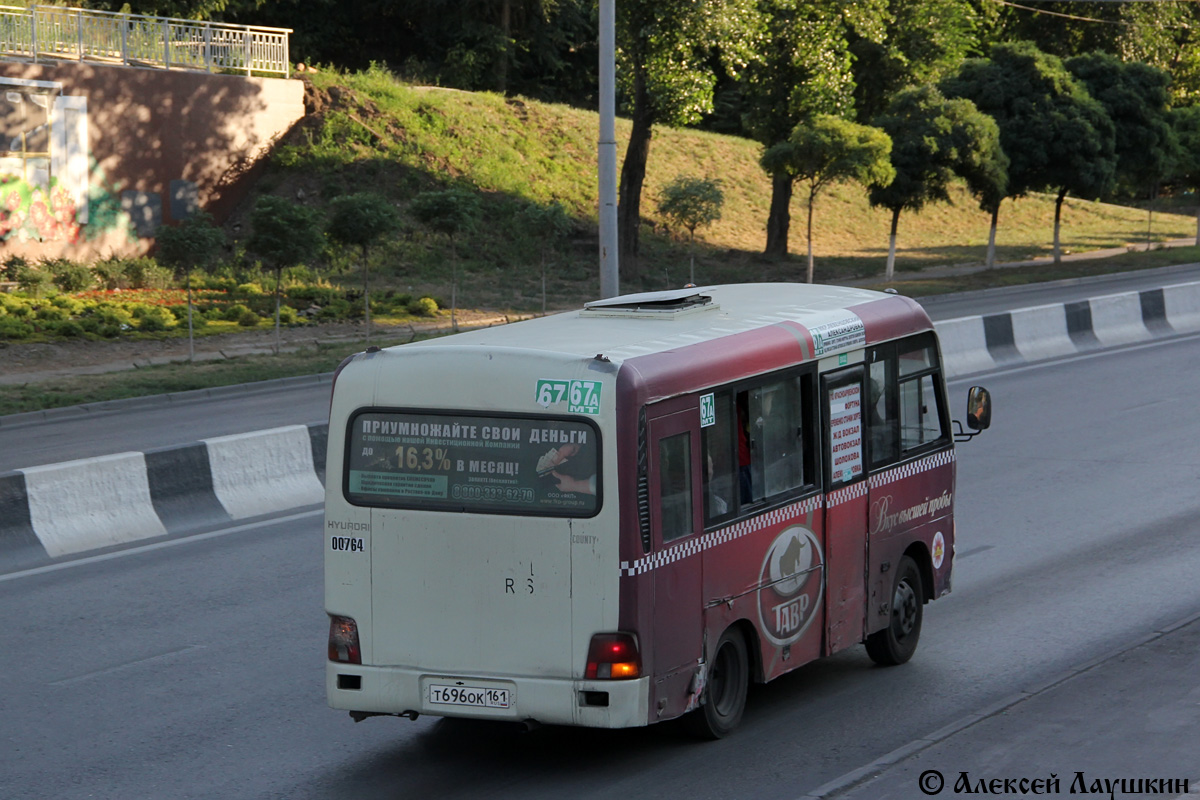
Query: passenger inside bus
[745, 460]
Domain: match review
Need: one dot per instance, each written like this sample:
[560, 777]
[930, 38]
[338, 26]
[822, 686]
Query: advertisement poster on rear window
[508, 465]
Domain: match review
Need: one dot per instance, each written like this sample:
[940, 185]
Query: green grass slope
[369, 132]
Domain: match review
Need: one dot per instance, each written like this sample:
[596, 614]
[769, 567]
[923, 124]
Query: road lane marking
[119, 667]
[858, 777]
[160, 545]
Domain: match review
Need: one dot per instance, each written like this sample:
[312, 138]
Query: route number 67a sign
[581, 397]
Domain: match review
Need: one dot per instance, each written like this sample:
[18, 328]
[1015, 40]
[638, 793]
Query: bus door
[846, 507]
[676, 525]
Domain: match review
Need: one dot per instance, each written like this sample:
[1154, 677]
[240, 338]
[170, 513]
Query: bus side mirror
[979, 408]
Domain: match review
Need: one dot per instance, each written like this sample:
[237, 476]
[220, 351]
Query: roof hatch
[652, 305]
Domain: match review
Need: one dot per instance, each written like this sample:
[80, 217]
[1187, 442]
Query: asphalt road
[195, 670]
[81, 434]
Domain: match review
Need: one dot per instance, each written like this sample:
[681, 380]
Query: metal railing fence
[55, 32]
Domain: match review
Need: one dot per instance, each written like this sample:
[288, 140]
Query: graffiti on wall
[47, 187]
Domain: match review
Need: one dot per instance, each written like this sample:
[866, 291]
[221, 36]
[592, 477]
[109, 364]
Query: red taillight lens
[613, 656]
[343, 641]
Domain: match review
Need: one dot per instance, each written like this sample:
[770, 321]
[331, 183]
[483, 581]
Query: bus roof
[644, 324]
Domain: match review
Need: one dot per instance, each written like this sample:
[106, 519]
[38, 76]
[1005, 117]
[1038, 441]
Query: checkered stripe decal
[839, 496]
[735, 531]
[939, 459]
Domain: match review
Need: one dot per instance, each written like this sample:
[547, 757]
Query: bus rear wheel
[728, 682]
[896, 643]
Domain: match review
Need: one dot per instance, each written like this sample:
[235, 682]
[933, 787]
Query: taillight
[343, 641]
[613, 656]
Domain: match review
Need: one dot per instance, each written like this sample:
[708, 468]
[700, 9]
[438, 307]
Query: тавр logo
[791, 582]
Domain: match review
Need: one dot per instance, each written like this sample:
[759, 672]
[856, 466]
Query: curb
[60, 510]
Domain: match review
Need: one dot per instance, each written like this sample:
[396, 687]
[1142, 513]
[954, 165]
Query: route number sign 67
[581, 397]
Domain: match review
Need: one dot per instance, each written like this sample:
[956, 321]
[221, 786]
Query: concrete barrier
[977, 344]
[264, 472]
[1117, 319]
[1182, 306]
[964, 346]
[1041, 332]
[91, 503]
[60, 510]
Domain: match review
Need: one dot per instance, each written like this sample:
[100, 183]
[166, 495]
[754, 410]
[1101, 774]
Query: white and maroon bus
[624, 514]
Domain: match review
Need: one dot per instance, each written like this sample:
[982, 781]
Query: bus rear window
[537, 466]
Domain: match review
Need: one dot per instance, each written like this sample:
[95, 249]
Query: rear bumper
[395, 690]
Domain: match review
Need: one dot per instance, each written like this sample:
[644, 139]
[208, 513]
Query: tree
[666, 50]
[1056, 136]
[933, 140]
[801, 67]
[1164, 35]
[922, 42]
[194, 243]
[283, 234]
[826, 149]
[1185, 122]
[692, 203]
[449, 212]
[1136, 99]
[361, 220]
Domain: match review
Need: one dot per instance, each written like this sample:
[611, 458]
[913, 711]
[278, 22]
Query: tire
[724, 697]
[896, 643]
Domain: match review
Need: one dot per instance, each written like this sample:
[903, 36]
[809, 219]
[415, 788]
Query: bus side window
[675, 485]
[719, 461]
[781, 444]
[920, 411]
[881, 407]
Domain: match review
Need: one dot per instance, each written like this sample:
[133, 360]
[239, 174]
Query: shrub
[68, 328]
[109, 331]
[51, 314]
[34, 281]
[181, 314]
[248, 319]
[155, 318]
[70, 304]
[110, 273]
[235, 312]
[423, 307]
[10, 301]
[248, 290]
[287, 315]
[14, 328]
[68, 275]
[113, 315]
[145, 273]
[320, 295]
[12, 267]
[222, 284]
[337, 309]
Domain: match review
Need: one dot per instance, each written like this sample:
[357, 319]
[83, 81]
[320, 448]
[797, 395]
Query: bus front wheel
[724, 697]
[896, 643]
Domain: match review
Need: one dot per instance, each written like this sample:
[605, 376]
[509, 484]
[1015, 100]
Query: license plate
[469, 696]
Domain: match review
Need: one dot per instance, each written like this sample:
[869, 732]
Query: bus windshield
[537, 466]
